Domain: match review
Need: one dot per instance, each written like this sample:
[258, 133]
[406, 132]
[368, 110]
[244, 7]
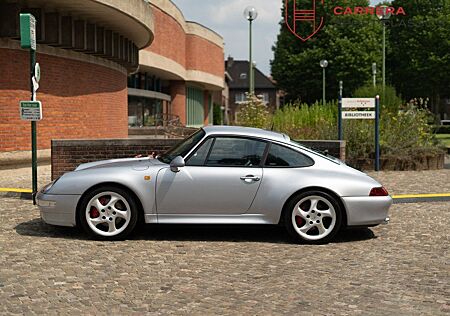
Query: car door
[221, 177]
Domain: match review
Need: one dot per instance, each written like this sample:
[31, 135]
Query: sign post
[362, 103]
[31, 111]
[341, 86]
[377, 133]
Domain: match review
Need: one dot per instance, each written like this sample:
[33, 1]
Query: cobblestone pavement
[401, 268]
[21, 177]
[414, 182]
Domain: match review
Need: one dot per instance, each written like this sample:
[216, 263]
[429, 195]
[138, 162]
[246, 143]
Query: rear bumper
[58, 210]
[367, 210]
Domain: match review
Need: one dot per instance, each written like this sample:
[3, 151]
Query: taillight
[381, 191]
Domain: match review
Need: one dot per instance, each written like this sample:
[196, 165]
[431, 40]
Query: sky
[226, 18]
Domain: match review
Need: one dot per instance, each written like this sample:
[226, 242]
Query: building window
[240, 97]
[144, 112]
[243, 76]
[264, 97]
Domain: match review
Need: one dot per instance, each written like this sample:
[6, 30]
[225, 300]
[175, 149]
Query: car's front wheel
[108, 213]
[313, 217]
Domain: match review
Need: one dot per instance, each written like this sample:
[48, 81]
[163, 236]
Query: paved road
[401, 268]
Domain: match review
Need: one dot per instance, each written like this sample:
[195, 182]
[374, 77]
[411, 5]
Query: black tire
[289, 221]
[133, 209]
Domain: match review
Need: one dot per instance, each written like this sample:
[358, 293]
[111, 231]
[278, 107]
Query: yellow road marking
[411, 196]
[15, 190]
[400, 196]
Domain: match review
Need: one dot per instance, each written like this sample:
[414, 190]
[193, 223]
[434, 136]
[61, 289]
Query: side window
[230, 152]
[280, 156]
[198, 158]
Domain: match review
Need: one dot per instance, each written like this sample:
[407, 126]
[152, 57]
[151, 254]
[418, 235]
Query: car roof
[245, 131]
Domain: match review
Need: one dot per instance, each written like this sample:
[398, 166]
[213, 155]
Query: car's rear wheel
[108, 213]
[313, 217]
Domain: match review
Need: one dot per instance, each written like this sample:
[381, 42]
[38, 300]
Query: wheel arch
[315, 188]
[113, 184]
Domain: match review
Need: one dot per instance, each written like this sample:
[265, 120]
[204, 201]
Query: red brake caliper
[299, 221]
[94, 212]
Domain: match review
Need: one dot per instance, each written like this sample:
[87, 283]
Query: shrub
[253, 113]
[217, 114]
[301, 121]
[391, 102]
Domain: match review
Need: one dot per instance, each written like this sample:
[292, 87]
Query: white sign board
[33, 33]
[31, 110]
[368, 103]
[358, 115]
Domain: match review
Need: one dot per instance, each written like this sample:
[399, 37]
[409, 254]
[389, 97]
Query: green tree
[420, 55]
[351, 43]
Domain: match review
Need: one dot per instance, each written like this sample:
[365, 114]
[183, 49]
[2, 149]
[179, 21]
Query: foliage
[404, 127]
[420, 58]
[253, 112]
[217, 114]
[301, 121]
[389, 99]
[408, 129]
[351, 43]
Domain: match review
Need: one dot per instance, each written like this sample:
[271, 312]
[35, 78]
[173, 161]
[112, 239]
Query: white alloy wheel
[108, 214]
[313, 217]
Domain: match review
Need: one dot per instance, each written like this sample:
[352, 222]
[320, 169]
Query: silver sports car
[219, 175]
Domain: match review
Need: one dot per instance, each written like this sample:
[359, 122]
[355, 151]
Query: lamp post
[251, 14]
[374, 74]
[384, 15]
[324, 64]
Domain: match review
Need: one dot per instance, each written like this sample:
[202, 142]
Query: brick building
[106, 65]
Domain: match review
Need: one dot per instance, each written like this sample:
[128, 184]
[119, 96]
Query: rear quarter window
[283, 157]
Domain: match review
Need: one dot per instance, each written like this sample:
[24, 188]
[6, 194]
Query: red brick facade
[204, 56]
[170, 39]
[79, 100]
[191, 51]
[89, 99]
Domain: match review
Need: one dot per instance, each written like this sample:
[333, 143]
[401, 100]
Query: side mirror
[176, 163]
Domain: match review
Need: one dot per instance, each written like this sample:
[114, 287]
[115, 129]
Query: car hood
[134, 163]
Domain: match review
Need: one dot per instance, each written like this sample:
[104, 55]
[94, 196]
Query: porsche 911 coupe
[219, 175]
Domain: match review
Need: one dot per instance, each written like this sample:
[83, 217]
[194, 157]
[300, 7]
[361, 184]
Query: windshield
[182, 148]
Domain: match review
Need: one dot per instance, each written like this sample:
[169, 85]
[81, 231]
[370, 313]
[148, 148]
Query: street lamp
[324, 64]
[374, 74]
[251, 14]
[384, 15]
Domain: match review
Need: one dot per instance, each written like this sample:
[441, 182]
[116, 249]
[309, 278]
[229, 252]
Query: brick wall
[204, 56]
[68, 154]
[170, 39]
[191, 51]
[79, 100]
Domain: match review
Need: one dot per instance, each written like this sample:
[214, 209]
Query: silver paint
[219, 195]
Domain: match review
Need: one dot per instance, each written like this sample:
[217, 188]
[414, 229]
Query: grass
[444, 138]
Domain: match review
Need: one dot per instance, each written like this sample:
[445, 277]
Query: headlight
[47, 187]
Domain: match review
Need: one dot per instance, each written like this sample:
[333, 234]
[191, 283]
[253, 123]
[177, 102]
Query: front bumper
[367, 210]
[58, 210]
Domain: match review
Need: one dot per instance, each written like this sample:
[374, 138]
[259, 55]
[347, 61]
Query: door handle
[250, 178]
